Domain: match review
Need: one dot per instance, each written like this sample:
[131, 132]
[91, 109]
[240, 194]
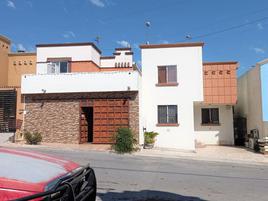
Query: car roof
[30, 171]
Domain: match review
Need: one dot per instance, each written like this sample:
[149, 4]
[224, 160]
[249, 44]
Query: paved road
[136, 178]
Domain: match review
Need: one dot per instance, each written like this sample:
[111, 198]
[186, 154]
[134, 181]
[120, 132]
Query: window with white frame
[167, 114]
[58, 67]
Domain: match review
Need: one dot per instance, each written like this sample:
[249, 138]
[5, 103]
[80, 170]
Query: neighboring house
[185, 101]
[253, 98]
[12, 67]
[79, 96]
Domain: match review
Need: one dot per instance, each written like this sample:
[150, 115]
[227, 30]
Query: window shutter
[162, 75]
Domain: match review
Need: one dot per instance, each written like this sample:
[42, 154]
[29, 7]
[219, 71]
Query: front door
[86, 124]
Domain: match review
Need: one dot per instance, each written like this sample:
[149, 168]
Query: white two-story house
[186, 101]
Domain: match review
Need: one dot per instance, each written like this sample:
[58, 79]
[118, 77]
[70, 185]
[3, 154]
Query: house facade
[12, 66]
[79, 96]
[186, 101]
[253, 98]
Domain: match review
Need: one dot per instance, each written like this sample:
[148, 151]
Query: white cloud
[260, 26]
[123, 43]
[20, 47]
[10, 4]
[69, 34]
[98, 3]
[259, 50]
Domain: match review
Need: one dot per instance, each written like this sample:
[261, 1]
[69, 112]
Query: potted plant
[149, 139]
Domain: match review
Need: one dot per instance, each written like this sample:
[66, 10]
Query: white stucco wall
[190, 89]
[249, 103]
[80, 82]
[214, 135]
[77, 53]
[107, 63]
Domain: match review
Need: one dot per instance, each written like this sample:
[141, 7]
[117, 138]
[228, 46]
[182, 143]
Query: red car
[32, 176]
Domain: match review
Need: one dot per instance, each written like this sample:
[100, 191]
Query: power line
[229, 28]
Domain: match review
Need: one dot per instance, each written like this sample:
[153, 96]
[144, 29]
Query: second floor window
[167, 74]
[58, 67]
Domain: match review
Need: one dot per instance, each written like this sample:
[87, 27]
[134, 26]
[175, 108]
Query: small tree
[124, 141]
[33, 138]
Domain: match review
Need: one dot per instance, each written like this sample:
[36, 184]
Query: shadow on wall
[145, 195]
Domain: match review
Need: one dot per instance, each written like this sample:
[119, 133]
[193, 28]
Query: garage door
[109, 115]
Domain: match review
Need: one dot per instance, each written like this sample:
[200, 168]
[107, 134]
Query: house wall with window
[213, 124]
[214, 116]
[172, 80]
[87, 53]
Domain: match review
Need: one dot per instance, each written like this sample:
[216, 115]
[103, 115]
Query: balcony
[80, 82]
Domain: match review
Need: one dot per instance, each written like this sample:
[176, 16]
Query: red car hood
[30, 171]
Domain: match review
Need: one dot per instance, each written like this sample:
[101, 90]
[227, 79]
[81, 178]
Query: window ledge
[167, 125]
[211, 124]
[167, 84]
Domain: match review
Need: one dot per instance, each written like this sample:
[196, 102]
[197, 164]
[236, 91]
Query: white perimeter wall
[77, 53]
[214, 135]
[190, 89]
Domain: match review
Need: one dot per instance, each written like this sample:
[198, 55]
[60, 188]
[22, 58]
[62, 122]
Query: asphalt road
[136, 178]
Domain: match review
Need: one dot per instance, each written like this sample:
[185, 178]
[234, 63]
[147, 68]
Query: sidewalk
[211, 153]
[208, 153]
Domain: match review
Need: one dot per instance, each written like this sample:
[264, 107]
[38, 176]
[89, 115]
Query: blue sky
[121, 22]
[264, 84]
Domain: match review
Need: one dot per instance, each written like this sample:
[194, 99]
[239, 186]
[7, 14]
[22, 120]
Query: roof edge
[6, 39]
[220, 62]
[70, 44]
[107, 57]
[123, 48]
[171, 45]
[22, 54]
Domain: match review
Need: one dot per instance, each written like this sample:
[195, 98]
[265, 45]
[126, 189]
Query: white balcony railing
[80, 82]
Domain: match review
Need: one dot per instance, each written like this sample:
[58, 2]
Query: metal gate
[8, 111]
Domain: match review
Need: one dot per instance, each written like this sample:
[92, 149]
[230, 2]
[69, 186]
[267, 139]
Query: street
[138, 178]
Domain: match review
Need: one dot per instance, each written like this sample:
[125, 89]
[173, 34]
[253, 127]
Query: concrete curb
[157, 153]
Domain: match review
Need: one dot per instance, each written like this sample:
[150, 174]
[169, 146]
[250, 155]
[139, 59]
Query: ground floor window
[167, 114]
[210, 116]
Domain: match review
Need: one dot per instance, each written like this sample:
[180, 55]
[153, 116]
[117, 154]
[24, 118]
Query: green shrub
[124, 141]
[149, 137]
[33, 138]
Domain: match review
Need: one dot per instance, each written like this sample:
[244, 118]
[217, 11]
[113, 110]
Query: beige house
[12, 66]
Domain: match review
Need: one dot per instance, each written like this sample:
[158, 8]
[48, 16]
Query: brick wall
[56, 116]
[56, 120]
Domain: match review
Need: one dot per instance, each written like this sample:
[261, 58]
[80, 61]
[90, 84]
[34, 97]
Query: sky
[233, 30]
[264, 90]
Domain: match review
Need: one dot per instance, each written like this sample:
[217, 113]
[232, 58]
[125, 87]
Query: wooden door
[83, 127]
[109, 115]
